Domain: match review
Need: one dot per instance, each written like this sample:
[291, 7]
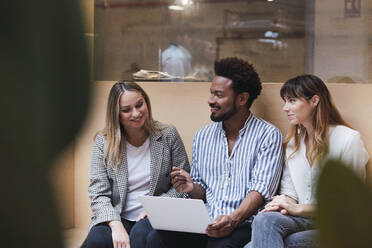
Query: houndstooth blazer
[108, 187]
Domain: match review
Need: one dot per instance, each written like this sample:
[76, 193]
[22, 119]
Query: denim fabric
[304, 239]
[100, 235]
[168, 239]
[273, 229]
[138, 233]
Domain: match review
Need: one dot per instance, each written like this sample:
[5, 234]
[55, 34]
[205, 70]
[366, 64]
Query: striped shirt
[255, 163]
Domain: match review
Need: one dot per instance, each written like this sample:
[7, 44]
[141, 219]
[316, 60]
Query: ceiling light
[186, 2]
[175, 7]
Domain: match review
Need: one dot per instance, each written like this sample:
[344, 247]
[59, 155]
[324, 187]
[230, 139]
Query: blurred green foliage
[44, 98]
[344, 208]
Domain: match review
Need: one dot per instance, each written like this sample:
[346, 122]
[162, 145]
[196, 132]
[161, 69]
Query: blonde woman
[132, 156]
[317, 132]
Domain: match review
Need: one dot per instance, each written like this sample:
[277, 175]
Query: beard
[224, 116]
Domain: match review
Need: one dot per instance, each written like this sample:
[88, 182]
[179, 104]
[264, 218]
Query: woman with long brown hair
[318, 132]
[132, 156]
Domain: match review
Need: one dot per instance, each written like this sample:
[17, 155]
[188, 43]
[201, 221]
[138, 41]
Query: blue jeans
[273, 229]
[100, 235]
[169, 239]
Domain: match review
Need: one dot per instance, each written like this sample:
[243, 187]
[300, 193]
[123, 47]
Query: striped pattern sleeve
[268, 168]
[195, 174]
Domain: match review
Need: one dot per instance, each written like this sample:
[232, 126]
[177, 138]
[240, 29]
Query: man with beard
[236, 162]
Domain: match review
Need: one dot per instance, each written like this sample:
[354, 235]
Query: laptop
[176, 214]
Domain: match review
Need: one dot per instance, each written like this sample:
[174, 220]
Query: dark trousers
[164, 239]
[100, 235]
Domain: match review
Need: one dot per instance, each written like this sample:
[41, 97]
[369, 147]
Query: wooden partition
[185, 106]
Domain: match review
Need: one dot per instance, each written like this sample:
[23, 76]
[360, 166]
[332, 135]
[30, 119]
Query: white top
[299, 178]
[138, 178]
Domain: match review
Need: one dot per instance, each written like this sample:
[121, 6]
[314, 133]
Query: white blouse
[299, 178]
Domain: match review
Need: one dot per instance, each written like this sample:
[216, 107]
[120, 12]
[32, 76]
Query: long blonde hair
[114, 132]
[325, 114]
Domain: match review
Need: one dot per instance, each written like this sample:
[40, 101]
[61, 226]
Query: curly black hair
[243, 75]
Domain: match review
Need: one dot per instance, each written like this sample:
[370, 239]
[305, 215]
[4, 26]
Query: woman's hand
[141, 216]
[284, 204]
[120, 237]
[287, 205]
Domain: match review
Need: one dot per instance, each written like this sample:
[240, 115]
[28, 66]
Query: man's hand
[181, 180]
[221, 227]
[120, 237]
